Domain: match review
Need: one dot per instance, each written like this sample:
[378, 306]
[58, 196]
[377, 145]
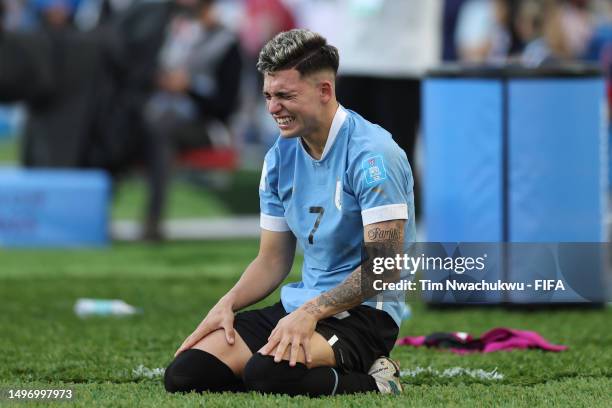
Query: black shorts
[358, 336]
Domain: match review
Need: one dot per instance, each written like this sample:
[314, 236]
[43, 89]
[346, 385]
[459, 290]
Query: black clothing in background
[55, 72]
[394, 104]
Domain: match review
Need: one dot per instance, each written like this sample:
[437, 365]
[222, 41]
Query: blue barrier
[53, 208]
[516, 155]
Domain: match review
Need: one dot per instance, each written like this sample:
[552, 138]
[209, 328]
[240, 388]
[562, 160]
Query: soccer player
[332, 181]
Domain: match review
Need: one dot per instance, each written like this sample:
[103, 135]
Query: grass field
[237, 195]
[44, 345]
[8, 151]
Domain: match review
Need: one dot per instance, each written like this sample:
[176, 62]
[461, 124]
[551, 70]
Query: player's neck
[315, 142]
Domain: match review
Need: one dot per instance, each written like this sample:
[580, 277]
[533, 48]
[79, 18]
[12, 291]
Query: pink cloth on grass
[494, 340]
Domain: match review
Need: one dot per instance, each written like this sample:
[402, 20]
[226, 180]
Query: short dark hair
[301, 49]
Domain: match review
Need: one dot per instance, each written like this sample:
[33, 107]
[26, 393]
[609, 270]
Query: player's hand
[292, 331]
[221, 316]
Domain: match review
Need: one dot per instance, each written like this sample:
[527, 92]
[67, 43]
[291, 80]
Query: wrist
[312, 309]
[229, 300]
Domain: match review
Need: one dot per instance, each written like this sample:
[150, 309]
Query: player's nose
[274, 107]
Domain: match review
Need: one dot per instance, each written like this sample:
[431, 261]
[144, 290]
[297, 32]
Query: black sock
[353, 382]
[264, 375]
[197, 370]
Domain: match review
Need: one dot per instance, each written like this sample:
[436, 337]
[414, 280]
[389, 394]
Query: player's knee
[180, 375]
[197, 370]
[262, 374]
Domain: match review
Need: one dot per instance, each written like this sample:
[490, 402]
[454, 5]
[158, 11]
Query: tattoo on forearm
[344, 296]
[388, 242]
[378, 234]
[313, 309]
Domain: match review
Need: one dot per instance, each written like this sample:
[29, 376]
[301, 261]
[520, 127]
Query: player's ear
[326, 90]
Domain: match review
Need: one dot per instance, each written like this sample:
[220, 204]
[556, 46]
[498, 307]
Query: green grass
[45, 345]
[184, 201]
[237, 194]
[9, 151]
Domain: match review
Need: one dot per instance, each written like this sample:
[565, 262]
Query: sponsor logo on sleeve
[374, 169]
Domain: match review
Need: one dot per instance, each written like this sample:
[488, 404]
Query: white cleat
[386, 373]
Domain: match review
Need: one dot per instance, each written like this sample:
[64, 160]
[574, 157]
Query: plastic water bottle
[85, 307]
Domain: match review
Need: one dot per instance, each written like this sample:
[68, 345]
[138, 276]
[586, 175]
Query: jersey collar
[337, 123]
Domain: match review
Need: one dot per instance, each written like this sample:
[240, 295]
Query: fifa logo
[374, 170]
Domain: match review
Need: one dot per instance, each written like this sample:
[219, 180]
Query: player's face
[293, 101]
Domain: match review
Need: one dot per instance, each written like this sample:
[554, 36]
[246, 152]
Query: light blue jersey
[363, 178]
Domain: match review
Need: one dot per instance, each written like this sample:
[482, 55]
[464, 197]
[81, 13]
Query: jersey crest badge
[264, 177]
[374, 169]
[338, 195]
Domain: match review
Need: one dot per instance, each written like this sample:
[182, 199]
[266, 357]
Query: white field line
[243, 226]
[198, 228]
[150, 373]
[145, 372]
[454, 372]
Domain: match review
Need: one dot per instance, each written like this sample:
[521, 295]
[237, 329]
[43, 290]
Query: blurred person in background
[55, 15]
[487, 31]
[56, 72]
[549, 42]
[18, 15]
[93, 14]
[564, 30]
[262, 20]
[25, 72]
[600, 45]
[182, 85]
[577, 22]
[452, 9]
[529, 20]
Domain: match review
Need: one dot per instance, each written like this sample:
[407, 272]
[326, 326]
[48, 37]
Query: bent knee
[234, 355]
[263, 375]
[197, 370]
[179, 375]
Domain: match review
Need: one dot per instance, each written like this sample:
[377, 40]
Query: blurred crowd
[110, 83]
[532, 32]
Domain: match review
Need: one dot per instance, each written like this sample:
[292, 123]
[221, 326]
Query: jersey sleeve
[272, 216]
[382, 183]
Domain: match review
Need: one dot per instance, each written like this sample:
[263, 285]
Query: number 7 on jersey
[315, 210]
